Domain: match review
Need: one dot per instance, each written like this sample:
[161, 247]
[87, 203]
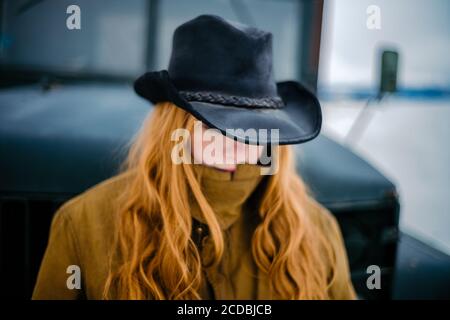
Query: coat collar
[226, 192]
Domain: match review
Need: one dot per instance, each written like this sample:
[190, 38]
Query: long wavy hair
[157, 259]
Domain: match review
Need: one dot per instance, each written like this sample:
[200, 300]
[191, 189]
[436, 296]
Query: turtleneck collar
[226, 192]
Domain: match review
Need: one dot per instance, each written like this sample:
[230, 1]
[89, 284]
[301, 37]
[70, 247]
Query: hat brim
[299, 121]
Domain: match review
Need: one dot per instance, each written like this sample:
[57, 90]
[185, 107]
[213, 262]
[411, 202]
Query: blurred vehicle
[66, 120]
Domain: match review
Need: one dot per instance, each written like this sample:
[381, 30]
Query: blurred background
[381, 71]
[406, 133]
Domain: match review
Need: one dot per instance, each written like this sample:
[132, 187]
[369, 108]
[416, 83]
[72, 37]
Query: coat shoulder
[321, 217]
[97, 202]
[81, 234]
[91, 215]
[339, 282]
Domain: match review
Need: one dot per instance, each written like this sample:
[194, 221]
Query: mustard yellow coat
[82, 233]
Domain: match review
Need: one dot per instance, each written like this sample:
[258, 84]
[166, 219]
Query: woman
[201, 228]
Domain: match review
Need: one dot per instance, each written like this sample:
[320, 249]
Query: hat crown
[210, 53]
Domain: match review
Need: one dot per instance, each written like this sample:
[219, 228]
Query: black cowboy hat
[220, 71]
